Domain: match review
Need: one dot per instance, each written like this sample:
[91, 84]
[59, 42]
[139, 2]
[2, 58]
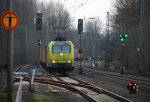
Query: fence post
[19, 92]
[32, 80]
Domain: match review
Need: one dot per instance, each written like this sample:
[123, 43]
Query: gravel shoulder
[115, 85]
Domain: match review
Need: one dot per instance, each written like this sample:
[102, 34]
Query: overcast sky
[80, 9]
[93, 8]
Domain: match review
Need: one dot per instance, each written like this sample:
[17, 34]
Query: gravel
[110, 84]
[115, 85]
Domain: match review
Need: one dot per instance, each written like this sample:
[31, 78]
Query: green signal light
[121, 39]
[126, 35]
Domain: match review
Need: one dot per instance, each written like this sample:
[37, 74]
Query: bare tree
[56, 17]
[91, 39]
[3, 37]
[127, 20]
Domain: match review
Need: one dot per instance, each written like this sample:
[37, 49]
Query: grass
[42, 98]
[27, 97]
[32, 97]
[3, 96]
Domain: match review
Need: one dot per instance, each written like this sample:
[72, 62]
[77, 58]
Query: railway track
[144, 82]
[90, 92]
[23, 68]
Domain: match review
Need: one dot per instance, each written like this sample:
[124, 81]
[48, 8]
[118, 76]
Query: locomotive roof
[61, 42]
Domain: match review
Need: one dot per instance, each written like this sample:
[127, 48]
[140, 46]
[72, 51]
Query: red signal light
[129, 84]
[135, 84]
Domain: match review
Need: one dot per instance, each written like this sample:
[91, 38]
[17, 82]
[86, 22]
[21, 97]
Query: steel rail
[24, 67]
[57, 83]
[70, 86]
[91, 87]
[97, 89]
[82, 93]
[143, 82]
[101, 90]
[19, 67]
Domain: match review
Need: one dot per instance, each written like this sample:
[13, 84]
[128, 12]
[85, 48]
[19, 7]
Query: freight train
[58, 56]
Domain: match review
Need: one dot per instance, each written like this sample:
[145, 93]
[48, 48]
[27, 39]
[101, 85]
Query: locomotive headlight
[69, 61]
[61, 54]
[53, 61]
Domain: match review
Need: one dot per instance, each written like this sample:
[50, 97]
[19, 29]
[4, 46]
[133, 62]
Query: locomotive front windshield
[59, 49]
[56, 48]
[66, 48]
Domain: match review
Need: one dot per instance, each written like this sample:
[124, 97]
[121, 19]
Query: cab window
[66, 48]
[56, 48]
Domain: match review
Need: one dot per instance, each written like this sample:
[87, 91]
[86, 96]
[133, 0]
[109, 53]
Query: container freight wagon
[43, 56]
[58, 56]
[76, 55]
